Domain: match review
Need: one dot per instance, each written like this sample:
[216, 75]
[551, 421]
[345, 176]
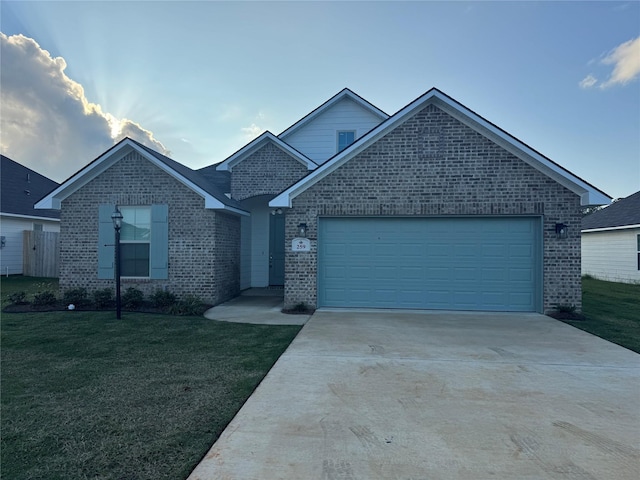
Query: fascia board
[345, 93]
[81, 178]
[284, 199]
[210, 202]
[109, 158]
[253, 146]
[29, 217]
[609, 229]
[589, 195]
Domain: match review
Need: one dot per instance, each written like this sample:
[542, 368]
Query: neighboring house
[611, 241]
[21, 188]
[431, 208]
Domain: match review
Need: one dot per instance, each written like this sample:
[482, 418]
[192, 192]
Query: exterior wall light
[561, 230]
[302, 230]
[277, 211]
[116, 217]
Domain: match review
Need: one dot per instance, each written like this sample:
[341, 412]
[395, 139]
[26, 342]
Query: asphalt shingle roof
[21, 188]
[619, 214]
[205, 178]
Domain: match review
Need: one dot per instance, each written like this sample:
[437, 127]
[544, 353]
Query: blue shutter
[159, 249]
[106, 241]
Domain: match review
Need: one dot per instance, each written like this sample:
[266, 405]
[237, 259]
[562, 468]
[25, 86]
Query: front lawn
[87, 396]
[612, 311]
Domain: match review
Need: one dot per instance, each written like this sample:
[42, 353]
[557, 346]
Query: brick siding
[204, 245]
[268, 171]
[434, 165]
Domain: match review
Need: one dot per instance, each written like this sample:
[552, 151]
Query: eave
[257, 144]
[54, 199]
[589, 195]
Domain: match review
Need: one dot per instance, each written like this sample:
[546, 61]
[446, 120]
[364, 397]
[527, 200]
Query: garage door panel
[434, 263]
[494, 274]
[521, 275]
[359, 272]
[411, 273]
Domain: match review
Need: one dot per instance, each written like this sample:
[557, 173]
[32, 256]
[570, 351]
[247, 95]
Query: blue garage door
[480, 263]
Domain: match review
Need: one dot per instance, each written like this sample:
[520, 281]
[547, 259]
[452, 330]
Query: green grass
[85, 396]
[612, 312]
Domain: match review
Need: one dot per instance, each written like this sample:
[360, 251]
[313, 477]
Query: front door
[276, 250]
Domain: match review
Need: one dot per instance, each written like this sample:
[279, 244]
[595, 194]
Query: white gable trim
[28, 217]
[589, 195]
[345, 93]
[54, 199]
[258, 143]
[609, 229]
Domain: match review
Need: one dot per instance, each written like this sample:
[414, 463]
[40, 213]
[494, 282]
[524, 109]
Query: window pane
[134, 259]
[345, 139]
[136, 224]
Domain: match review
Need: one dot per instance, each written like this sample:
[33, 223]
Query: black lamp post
[116, 216]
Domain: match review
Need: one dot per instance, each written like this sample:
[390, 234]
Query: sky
[198, 80]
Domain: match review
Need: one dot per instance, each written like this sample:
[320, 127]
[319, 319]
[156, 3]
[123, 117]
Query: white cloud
[625, 59]
[46, 121]
[252, 131]
[588, 81]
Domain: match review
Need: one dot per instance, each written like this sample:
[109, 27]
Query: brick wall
[204, 245]
[268, 171]
[432, 165]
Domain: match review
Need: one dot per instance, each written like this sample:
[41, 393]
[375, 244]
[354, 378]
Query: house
[21, 188]
[611, 241]
[433, 207]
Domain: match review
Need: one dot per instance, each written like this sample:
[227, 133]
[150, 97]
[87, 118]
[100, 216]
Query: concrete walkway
[258, 306]
[395, 395]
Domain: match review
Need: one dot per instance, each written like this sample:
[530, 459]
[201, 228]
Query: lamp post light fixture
[116, 217]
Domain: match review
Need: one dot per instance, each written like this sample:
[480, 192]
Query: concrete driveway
[400, 395]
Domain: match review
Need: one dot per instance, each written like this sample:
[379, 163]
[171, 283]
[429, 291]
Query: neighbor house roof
[214, 198]
[589, 194]
[625, 213]
[21, 187]
[343, 94]
[258, 143]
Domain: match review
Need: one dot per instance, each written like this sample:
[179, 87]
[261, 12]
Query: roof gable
[344, 93]
[214, 199]
[624, 213]
[21, 187]
[589, 194]
[257, 144]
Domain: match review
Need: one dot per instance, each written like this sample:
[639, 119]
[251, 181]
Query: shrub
[563, 308]
[189, 305]
[44, 298]
[77, 296]
[132, 298]
[18, 298]
[163, 298]
[103, 298]
[300, 307]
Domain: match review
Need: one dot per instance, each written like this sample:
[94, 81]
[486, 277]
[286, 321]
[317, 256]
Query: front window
[345, 139]
[135, 238]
